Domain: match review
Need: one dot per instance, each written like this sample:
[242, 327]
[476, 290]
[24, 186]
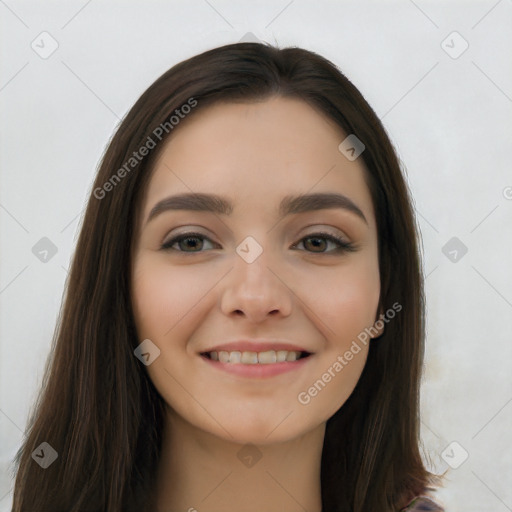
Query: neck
[201, 472]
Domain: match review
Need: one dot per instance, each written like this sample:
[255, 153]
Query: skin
[254, 154]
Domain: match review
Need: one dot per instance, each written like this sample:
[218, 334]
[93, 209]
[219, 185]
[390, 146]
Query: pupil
[187, 240]
[316, 240]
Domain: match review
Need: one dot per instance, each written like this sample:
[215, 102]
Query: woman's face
[256, 276]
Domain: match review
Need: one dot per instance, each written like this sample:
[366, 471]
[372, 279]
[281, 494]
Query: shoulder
[422, 503]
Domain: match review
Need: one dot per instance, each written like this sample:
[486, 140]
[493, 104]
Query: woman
[243, 327]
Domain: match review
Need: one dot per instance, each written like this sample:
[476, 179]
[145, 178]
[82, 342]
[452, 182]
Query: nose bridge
[252, 270]
[254, 287]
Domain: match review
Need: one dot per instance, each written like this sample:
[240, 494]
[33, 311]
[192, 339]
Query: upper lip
[256, 346]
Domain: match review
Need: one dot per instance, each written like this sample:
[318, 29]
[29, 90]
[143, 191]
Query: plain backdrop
[438, 74]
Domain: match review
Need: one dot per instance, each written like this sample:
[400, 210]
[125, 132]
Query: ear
[379, 326]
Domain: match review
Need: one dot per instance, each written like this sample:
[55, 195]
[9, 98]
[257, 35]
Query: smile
[247, 357]
[256, 365]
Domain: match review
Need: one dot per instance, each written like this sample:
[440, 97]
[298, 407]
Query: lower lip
[258, 371]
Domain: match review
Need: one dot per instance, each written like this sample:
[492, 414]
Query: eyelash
[343, 245]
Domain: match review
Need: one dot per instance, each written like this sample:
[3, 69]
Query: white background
[449, 118]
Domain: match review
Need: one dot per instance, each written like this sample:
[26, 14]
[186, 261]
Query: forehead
[256, 153]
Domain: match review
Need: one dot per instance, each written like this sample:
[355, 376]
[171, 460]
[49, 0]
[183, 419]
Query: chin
[265, 431]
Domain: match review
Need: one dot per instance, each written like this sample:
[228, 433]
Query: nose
[256, 291]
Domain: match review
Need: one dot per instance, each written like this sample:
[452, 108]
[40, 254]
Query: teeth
[292, 356]
[247, 358]
[268, 357]
[281, 356]
[234, 357]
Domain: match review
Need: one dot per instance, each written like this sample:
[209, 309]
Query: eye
[185, 237]
[191, 239]
[342, 245]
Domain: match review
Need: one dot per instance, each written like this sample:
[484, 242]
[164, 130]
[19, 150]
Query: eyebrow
[289, 205]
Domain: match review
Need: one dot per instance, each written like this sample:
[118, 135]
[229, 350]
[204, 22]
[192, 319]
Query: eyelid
[190, 230]
[344, 245]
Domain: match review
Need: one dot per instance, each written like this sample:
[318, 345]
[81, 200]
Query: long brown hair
[97, 407]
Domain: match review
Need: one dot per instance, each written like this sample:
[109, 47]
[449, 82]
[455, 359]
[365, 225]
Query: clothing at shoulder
[424, 504]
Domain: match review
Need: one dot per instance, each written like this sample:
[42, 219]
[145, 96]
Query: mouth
[256, 365]
[267, 357]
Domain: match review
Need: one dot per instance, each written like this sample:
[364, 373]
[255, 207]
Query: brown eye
[186, 241]
[318, 244]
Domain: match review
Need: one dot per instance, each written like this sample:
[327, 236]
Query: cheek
[344, 304]
[162, 296]
[343, 300]
[151, 292]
